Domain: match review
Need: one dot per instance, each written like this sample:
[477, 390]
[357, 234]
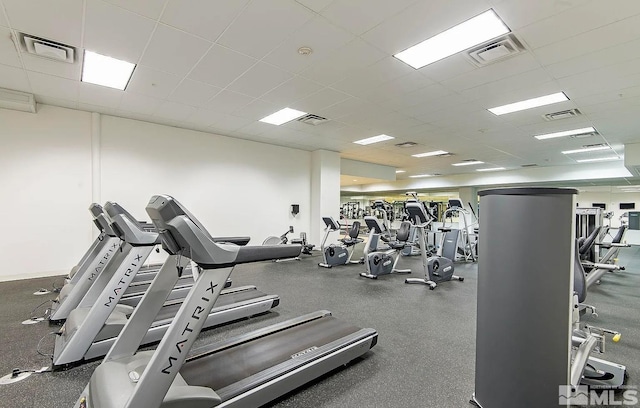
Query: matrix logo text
[597, 397]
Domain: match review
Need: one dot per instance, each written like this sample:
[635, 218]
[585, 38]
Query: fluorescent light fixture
[572, 132]
[587, 149]
[106, 71]
[492, 169]
[474, 31]
[400, 171]
[599, 159]
[434, 153]
[283, 116]
[374, 139]
[420, 175]
[529, 103]
[468, 163]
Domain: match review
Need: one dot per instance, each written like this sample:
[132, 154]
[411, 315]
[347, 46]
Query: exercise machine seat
[618, 238]
[579, 277]
[589, 241]
[352, 238]
[402, 236]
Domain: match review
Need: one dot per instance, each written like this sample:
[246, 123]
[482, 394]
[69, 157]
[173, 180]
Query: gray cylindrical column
[525, 286]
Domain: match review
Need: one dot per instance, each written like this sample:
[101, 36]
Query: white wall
[45, 185]
[235, 187]
[612, 200]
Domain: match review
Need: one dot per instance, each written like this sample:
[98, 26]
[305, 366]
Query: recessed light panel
[572, 132]
[106, 71]
[468, 163]
[599, 159]
[283, 116]
[492, 169]
[400, 171]
[587, 149]
[529, 103]
[420, 175]
[428, 154]
[474, 31]
[374, 139]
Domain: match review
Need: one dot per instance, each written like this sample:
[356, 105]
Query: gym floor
[425, 353]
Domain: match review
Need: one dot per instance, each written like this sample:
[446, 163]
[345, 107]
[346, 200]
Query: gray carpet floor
[424, 357]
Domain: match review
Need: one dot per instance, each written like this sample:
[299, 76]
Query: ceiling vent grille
[312, 119]
[529, 165]
[46, 48]
[406, 144]
[585, 135]
[16, 100]
[495, 50]
[565, 114]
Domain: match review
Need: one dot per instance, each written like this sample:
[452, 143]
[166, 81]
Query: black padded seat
[618, 238]
[402, 236]
[352, 238]
[589, 242]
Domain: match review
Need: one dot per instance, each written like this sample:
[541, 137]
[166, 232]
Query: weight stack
[525, 287]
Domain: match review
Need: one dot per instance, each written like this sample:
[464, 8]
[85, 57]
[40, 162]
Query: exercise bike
[339, 254]
[436, 268]
[383, 260]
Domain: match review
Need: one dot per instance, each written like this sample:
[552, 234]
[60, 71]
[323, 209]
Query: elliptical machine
[339, 254]
[380, 261]
[436, 268]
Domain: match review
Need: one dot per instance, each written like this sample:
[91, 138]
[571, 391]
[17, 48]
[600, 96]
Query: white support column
[96, 176]
[469, 195]
[325, 191]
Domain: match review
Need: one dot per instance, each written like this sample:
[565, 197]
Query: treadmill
[248, 370]
[90, 331]
[87, 287]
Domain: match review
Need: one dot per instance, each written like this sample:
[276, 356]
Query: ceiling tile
[319, 100]
[205, 18]
[58, 21]
[127, 42]
[596, 60]
[51, 67]
[519, 13]
[193, 93]
[55, 87]
[154, 83]
[228, 123]
[255, 129]
[174, 111]
[526, 79]
[14, 78]
[137, 103]
[8, 52]
[318, 34]
[221, 66]
[147, 8]
[292, 90]
[228, 101]
[257, 110]
[567, 24]
[315, 5]
[274, 20]
[259, 79]
[344, 108]
[359, 16]
[362, 81]
[99, 95]
[422, 20]
[173, 51]
[398, 87]
[344, 61]
[591, 41]
[450, 67]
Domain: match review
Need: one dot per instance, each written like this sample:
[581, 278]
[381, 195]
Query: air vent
[565, 114]
[47, 49]
[312, 119]
[595, 145]
[584, 135]
[529, 165]
[406, 144]
[495, 50]
[17, 100]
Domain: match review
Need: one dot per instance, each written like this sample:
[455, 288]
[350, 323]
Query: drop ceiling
[220, 66]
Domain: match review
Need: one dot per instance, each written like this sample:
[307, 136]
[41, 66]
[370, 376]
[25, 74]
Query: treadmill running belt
[225, 299]
[219, 370]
